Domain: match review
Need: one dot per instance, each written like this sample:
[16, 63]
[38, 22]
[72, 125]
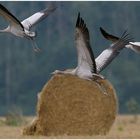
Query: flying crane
[22, 29]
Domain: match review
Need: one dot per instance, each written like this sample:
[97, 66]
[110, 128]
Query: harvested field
[124, 127]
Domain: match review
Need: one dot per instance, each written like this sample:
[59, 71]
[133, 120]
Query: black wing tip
[78, 19]
[108, 36]
[80, 23]
[101, 29]
[104, 33]
[9, 13]
[3, 7]
[78, 14]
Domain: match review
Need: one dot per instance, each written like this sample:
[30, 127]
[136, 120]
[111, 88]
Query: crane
[23, 29]
[88, 67]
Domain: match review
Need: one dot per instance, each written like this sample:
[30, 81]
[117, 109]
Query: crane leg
[35, 47]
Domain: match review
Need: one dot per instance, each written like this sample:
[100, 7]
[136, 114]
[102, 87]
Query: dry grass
[124, 127]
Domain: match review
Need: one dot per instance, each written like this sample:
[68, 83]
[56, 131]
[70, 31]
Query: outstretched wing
[106, 57]
[37, 17]
[10, 17]
[86, 60]
[135, 46]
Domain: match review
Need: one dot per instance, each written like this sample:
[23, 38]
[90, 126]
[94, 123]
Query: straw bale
[70, 106]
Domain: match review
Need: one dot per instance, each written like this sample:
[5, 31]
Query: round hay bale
[68, 105]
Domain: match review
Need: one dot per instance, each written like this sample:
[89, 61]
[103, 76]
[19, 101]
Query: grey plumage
[84, 50]
[86, 67]
[135, 46]
[22, 29]
[106, 57]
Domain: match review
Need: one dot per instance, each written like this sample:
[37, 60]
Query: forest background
[23, 72]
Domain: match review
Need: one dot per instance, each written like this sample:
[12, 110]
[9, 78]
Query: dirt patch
[70, 106]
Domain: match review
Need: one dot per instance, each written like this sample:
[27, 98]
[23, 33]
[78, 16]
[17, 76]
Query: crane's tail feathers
[35, 47]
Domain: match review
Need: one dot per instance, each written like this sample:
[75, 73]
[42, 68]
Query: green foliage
[133, 106]
[24, 72]
[14, 117]
[2, 122]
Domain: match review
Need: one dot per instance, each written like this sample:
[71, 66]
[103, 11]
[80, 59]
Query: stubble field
[125, 126]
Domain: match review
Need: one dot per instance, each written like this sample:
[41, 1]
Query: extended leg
[35, 47]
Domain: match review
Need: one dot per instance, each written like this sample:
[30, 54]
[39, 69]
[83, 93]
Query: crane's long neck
[5, 30]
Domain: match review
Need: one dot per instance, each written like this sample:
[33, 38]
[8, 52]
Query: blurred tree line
[23, 72]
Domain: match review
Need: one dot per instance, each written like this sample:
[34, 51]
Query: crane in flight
[88, 67]
[23, 29]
